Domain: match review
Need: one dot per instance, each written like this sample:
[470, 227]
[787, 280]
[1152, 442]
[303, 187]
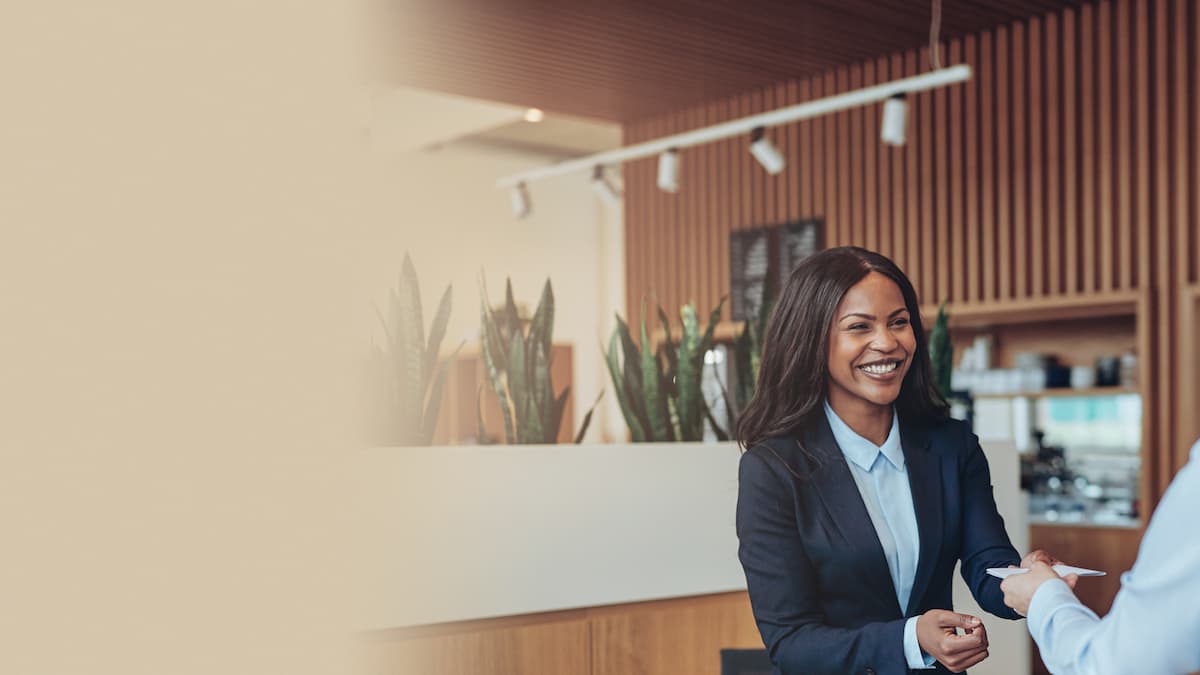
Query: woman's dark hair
[793, 375]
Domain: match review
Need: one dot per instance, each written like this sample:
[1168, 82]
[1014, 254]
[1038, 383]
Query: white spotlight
[668, 171]
[603, 188]
[765, 152]
[895, 120]
[534, 115]
[521, 204]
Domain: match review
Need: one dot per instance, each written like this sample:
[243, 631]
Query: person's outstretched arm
[1155, 620]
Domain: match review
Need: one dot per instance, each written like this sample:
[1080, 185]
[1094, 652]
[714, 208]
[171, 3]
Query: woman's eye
[858, 326]
[900, 322]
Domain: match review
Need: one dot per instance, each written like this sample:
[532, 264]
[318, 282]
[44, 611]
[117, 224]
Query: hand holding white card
[1060, 570]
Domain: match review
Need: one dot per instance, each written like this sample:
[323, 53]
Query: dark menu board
[763, 257]
[797, 241]
[749, 270]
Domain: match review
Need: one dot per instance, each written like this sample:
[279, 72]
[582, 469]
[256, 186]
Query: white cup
[1083, 377]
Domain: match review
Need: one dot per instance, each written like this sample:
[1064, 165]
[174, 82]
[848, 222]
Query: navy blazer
[819, 584]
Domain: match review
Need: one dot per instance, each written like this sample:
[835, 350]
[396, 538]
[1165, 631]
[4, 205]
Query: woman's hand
[938, 635]
[1040, 556]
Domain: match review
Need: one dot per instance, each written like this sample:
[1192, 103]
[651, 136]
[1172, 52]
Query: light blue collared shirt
[882, 481]
[1154, 621]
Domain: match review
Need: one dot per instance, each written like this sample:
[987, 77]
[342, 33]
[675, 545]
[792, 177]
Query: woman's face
[871, 345]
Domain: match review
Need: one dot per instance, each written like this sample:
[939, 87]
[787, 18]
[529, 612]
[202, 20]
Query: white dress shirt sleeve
[917, 659]
[1154, 621]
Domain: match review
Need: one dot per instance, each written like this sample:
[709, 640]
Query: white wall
[442, 207]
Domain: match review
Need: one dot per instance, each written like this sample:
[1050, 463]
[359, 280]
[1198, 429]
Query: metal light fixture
[604, 188]
[521, 204]
[765, 152]
[668, 171]
[895, 120]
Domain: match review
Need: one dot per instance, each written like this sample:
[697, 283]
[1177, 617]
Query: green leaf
[518, 386]
[668, 346]
[587, 419]
[560, 406]
[656, 398]
[542, 328]
[409, 349]
[512, 318]
[494, 339]
[436, 332]
[540, 396]
[634, 387]
[492, 348]
[688, 378]
[613, 359]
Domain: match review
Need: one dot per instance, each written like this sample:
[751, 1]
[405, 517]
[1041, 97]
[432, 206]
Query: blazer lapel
[841, 498]
[925, 481]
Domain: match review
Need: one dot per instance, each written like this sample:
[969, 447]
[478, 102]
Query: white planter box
[467, 532]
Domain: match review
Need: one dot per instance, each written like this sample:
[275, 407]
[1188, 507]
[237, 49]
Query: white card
[1060, 570]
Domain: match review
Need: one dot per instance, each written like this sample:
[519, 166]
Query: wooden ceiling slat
[628, 59]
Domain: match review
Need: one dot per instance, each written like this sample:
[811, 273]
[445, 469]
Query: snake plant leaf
[714, 317]
[560, 406]
[480, 430]
[587, 419]
[494, 339]
[429, 422]
[667, 386]
[410, 329]
[542, 328]
[512, 318]
[656, 397]
[634, 387]
[437, 332]
[941, 350]
[720, 433]
[518, 385]
[687, 380]
[669, 347]
[613, 358]
[539, 395]
[492, 349]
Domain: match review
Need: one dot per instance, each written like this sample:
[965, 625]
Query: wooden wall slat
[1088, 226]
[912, 199]
[958, 223]
[830, 135]
[923, 144]
[1040, 166]
[1161, 218]
[1071, 124]
[870, 144]
[1049, 205]
[1104, 162]
[899, 212]
[941, 190]
[842, 150]
[973, 172]
[1002, 138]
[988, 153]
[887, 216]
[1141, 134]
[1125, 246]
[854, 162]
[1182, 200]
[1017, 224]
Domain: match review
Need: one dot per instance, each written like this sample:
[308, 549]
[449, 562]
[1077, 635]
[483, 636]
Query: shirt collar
[861, 451]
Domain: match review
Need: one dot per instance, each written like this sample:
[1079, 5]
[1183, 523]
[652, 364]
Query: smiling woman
[857, 494]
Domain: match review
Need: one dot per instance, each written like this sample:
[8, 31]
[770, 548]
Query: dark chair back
[745, 662]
